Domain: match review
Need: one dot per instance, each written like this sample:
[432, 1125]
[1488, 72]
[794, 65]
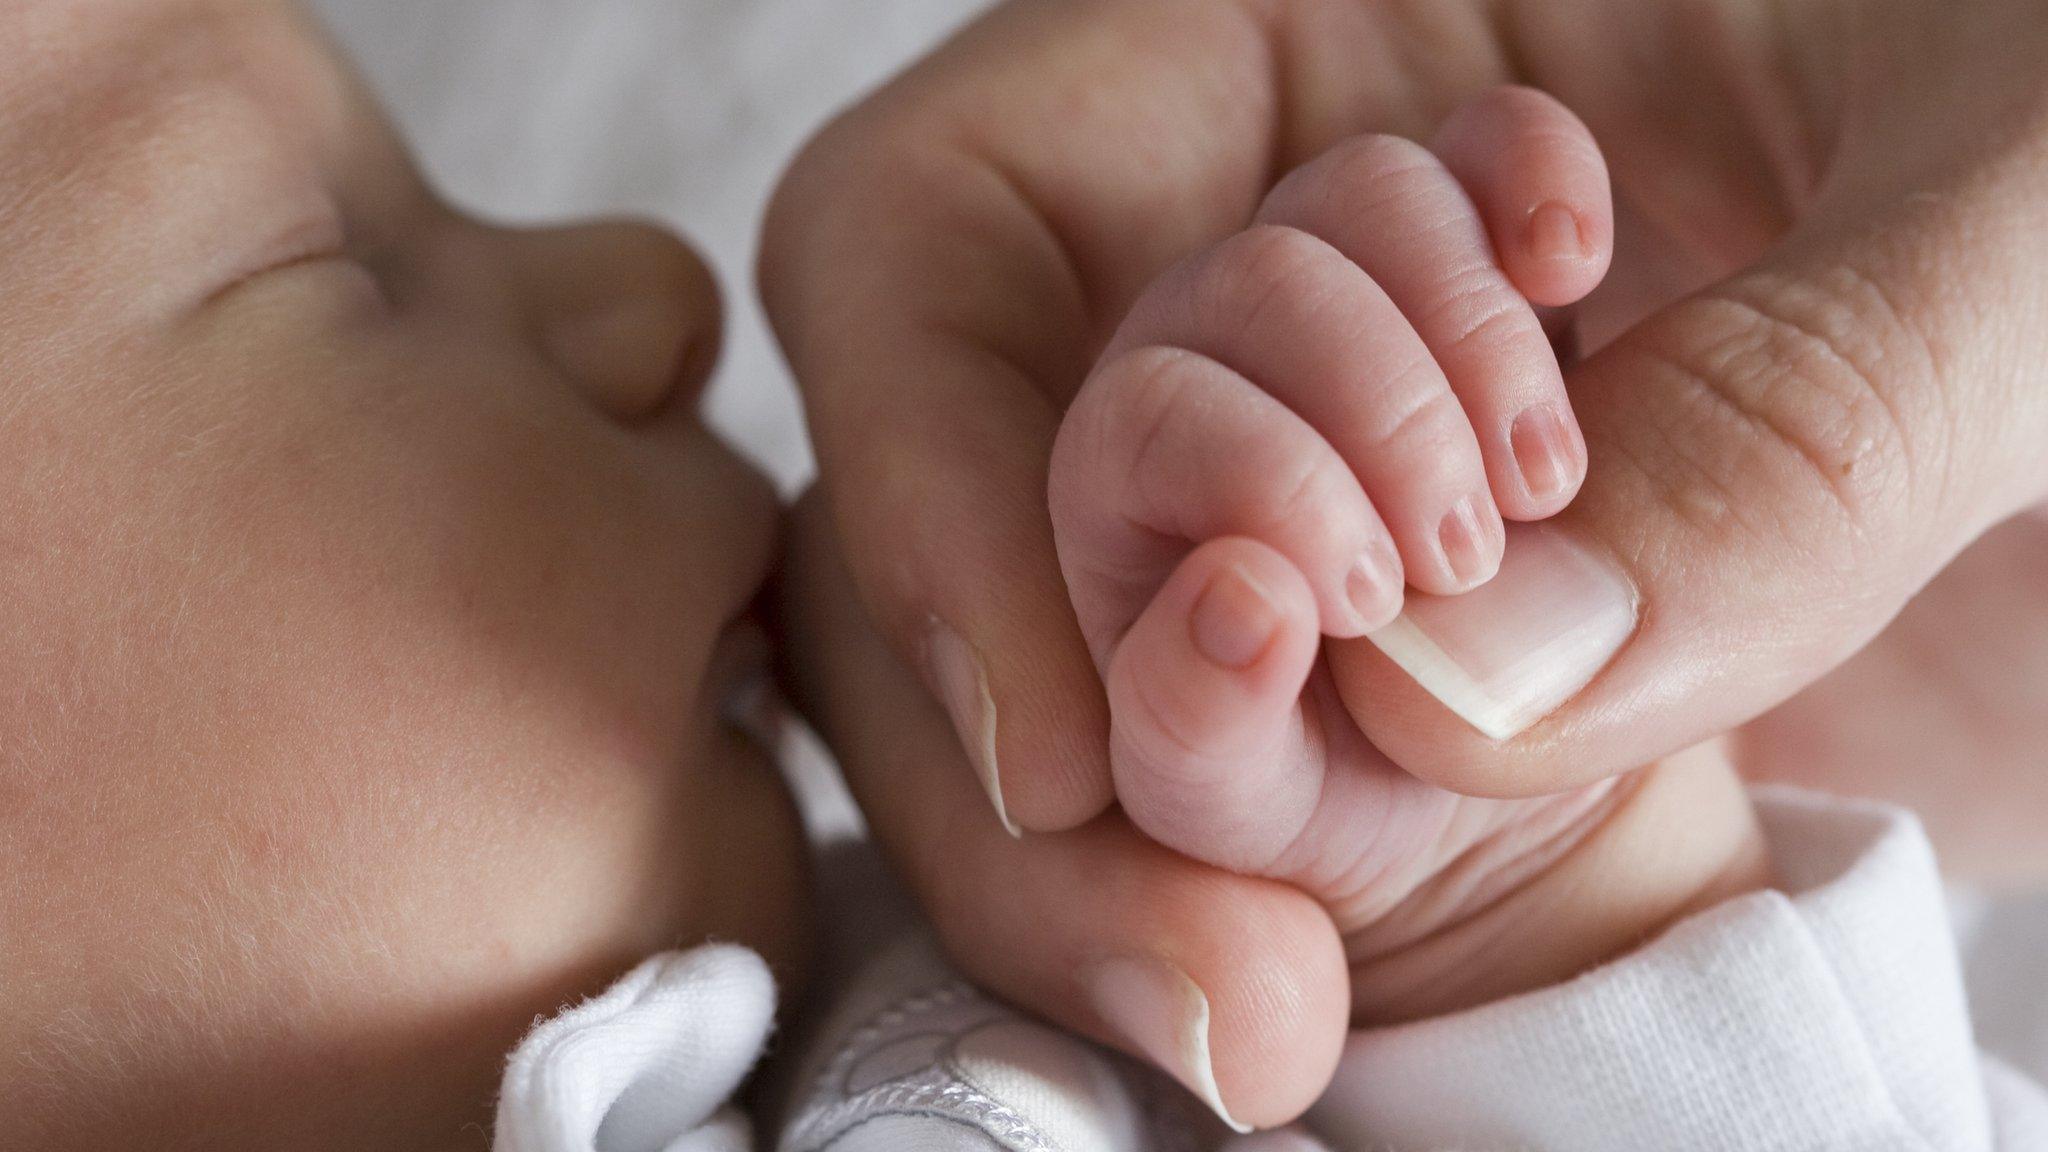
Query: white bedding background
[685, 111]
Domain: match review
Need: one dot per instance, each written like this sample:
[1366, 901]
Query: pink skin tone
[1361, 379]
[1340, 394]
[1812, 379]
[1347, 890]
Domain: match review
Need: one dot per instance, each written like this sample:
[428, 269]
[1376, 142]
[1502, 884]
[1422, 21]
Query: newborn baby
[374, 618]
[373, 604]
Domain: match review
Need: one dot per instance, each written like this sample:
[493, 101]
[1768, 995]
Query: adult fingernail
[1161, 1012]
[1554, 233]
[1508, 653]
[961, 681]
[1233, 621]
[1374, 586]
[1543, 451]
[1462, 539]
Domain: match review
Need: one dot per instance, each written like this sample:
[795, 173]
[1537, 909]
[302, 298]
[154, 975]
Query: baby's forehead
[145, 152]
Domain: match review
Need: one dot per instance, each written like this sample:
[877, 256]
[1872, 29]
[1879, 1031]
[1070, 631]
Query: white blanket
[1826, 1017]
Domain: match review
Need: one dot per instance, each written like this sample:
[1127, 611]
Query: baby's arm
[1826, 1012]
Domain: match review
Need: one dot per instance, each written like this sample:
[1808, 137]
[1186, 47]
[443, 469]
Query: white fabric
[915, 1059]
[1824, 1017]
[2005, 967]
[647, 1067]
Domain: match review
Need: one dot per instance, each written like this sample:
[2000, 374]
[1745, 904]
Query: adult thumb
[1778, 464]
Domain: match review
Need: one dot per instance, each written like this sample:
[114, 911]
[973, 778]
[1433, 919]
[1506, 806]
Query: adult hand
[1945, 712]
[1237, 984]
[1819, 375]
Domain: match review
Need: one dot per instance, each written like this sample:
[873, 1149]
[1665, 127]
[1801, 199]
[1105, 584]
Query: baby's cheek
[317, 898]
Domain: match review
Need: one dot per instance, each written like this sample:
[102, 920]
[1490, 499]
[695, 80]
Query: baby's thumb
[1778, 464]
[1205, 724]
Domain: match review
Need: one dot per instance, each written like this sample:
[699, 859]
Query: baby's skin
[1359, 385]
[1352, 390]
[1361, 380]
[368, 591]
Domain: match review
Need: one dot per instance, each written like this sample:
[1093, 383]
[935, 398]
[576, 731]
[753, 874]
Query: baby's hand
[1361, 381]
[1343, 400]
[1340, 400]
[1357, 387]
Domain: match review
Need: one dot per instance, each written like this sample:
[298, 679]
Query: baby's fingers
[1541, 185]
[1205, 728]
[1393, 209]
[1164, 449]
[1293, 315]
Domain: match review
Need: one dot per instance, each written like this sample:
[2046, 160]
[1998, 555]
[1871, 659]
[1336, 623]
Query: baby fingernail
[1233, 621]
[1543, 451]
[1554, 233]
[1508, 653]
[961, 681]
[1462, 540]
[1161, 1012]
[1374, 586]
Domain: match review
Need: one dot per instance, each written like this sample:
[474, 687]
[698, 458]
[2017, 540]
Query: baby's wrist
[1671, 840]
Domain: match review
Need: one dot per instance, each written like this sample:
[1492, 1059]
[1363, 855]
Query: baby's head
[367, 591]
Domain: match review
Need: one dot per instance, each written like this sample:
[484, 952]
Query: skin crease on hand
[364, 608]
[1814, 377]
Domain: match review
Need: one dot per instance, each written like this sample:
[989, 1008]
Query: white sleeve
[1828, 1015]
[650, 1064]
